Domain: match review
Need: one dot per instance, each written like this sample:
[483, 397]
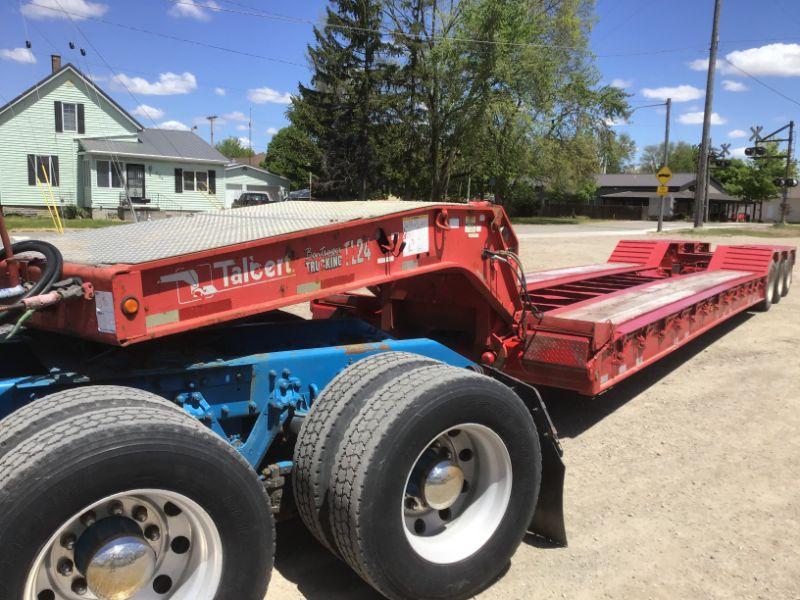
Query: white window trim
[110, 185]
[38, 174]
[64, 116]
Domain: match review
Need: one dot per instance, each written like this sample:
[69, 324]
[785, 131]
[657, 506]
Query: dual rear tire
[435, 471]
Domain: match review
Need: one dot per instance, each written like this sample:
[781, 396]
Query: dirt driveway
[682, 482]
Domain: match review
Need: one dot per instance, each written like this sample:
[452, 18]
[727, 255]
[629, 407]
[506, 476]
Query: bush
[74, 212]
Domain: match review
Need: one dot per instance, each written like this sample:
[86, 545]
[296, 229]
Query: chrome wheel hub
[138, 545]
[443, 484]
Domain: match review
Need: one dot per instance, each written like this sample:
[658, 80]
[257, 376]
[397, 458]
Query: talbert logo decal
[205, 280]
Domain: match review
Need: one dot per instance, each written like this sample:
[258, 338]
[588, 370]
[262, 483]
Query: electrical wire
[766, 85]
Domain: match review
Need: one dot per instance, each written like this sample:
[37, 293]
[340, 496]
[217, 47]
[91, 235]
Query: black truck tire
[323, 428]
[389, 505]
[164, 480]
[56, 407]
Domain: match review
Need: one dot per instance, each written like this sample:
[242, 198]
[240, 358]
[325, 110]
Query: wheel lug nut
[117, 509]
[152, 533]
[89, 519]
[68, 541]
[79, 586]
[64, 567]
[140, 514]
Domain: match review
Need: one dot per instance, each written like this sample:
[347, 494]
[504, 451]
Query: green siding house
[66, 139]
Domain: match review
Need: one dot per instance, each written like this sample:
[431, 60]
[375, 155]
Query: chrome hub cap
[443, 485]
[457, 493]
[139, 545]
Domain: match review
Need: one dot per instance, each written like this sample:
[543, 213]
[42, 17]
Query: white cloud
[737, 133]
[780, 60]
[193, 9]
[167, 84]
[20, 55]
[621, 83]
[235, 116]
[696, 118]
[618, 122]
[272, 131]
[734, 86]
[78, 10]
[177, 125]
[681, 93]
[219, 91]
[266, 95]
[244, 142]
[241, 127]
[148, 112]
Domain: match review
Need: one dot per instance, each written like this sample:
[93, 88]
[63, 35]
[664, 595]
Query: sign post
[664, 176]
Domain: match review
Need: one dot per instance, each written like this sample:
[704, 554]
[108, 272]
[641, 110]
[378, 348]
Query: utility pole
[250, 136]
[666, 164]
[211, 120]
[469, 185]
[786, 182]
[700, 196]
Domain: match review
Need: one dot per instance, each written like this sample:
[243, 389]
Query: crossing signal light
[724, 163]
[755, 151]
[788, 183]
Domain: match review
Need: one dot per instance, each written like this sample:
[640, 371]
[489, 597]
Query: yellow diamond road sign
[662, 190]
[664, 175]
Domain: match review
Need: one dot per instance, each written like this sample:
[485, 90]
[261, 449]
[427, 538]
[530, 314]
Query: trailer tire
[56, 407]
[389, 508]
[323, 430]
[770, 288]
[787, 266]
[73, 487]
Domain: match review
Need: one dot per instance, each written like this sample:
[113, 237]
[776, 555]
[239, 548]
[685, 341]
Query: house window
[202, 181]
[188, 180]
[43, 169]
[70, 116]
[109, 174]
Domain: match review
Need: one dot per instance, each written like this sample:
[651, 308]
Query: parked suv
[254, 199]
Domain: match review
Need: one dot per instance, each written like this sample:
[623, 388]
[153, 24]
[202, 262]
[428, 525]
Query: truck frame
[164, 403]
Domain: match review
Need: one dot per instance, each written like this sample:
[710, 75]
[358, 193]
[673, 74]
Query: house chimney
[55, 61]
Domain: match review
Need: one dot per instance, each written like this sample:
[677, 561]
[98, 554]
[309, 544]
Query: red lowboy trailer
[158, 402]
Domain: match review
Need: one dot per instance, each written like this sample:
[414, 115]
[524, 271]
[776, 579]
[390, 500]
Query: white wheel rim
[478, 511]
[181, 573]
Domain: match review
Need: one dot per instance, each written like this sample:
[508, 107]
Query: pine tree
[342, 110]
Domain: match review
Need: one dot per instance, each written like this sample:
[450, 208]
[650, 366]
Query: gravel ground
[682, 482]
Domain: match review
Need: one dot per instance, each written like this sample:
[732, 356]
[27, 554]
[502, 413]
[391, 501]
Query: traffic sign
[662, 190]
[664, 175]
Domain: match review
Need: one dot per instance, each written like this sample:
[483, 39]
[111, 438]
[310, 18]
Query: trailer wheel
[132, 502]
[323, 429]
[770, 288]
[436, 481]
[41, 413]
[787, 265]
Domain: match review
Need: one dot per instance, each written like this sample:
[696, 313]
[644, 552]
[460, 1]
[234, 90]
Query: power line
[766, 85]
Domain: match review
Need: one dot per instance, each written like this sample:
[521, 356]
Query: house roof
[682, 195]
[158, 143]
[643, 180]
[236, 165]
[89, 82]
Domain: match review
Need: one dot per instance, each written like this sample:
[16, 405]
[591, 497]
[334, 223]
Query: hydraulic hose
[54, 263]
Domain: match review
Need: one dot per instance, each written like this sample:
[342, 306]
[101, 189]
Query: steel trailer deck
[444, 271]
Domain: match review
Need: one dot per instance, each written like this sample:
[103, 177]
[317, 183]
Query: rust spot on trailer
[350, 349]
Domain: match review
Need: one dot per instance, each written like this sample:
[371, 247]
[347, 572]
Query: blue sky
[650, 48]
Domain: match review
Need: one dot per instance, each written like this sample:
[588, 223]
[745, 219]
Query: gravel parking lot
[682, 482]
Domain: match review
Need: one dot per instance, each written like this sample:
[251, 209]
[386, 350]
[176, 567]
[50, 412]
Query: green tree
[683, 158]
[753, 179]
[617, 152]
[292, 154]
[232, 148]
[341, 111]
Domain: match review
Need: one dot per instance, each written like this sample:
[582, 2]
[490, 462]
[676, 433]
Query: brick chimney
[55, 61]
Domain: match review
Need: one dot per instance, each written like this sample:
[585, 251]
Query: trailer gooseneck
[162, 409]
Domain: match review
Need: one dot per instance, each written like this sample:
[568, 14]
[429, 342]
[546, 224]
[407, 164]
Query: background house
[240, 178]
[772, 208]
[639, 189]
[66, 139]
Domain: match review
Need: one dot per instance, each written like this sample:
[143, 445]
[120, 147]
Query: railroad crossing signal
[664, 176]
[786, 183]
[755, 152]
[756, 133]
[725, 150]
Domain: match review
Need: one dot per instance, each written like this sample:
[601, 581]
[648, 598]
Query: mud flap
[548, 520]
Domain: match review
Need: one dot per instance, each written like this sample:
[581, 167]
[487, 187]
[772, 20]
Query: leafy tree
[341, 110]
[232, 148]
[683, 158]
[292, 154]
[617, 152]
[753, 179]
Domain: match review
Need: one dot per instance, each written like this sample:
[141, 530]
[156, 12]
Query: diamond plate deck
[644, 299]
[178, 236]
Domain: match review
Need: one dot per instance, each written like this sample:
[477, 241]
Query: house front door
[135, 182]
